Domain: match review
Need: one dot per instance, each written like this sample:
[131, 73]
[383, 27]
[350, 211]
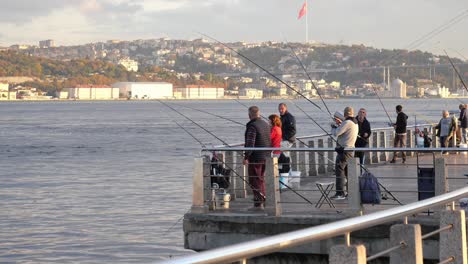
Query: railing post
[412, 252]
[272, 203]
[321, 158]
[374, 144]
[239, 182]
[383, 144]
[200, 192]
[312, 158]
[331, 158]
[354, 195]
[302, 158]
[452, 242]
[435, 142]
[294, 157]
[409, 141]
[229, 161]
[354, 254]
[441, 173]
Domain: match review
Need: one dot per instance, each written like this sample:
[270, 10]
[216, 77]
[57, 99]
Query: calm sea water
[93, 182]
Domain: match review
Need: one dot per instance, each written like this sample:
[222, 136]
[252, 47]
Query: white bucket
[222, 199]
[463, 146]
[284, 178]
[295, 179]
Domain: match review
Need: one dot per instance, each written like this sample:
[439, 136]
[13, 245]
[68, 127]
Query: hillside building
[200, 92]
[44, 44]
[93, 92]
[130, 65]
[145, 90]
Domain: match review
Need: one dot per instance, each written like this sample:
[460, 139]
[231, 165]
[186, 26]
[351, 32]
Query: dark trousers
[257, 180]
[445, 141]
[341, 170]
[360, 154]
[399, 142]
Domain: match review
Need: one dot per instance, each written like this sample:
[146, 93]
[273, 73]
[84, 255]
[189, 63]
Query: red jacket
[276, 136]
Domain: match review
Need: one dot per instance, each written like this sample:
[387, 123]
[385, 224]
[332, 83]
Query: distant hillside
[50, 75]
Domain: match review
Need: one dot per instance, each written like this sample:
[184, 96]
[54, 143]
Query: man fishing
[257, 134]
[346, 132]
[463, 122]
[400, 133]
[288, 127]
[364, 133]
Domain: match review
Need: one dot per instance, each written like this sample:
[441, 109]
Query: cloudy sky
[432, 25]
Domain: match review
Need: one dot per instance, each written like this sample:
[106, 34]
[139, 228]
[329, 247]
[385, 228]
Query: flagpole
[307, 24]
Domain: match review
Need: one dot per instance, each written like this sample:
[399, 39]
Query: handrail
[326, 135]
[290, 239]
[333, 149]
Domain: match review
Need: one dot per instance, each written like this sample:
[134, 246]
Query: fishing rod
[275, 77]
[206, 112]
[381, 103]
[455, 69]
[308, 76]
[287, 186]
[262, 68]
[361, 165]
[203, 145]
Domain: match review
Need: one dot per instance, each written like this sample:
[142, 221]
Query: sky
[428, 25]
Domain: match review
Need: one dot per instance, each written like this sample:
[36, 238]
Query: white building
[129, 64]
[49, 43]
[398, 89]
[93, 92]
[251, 93]
[145, 90]
[201, 92]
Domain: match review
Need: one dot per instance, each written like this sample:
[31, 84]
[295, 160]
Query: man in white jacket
[346, 132]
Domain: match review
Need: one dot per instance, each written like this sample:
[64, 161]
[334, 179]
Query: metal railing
[246, 250]
[277, 200]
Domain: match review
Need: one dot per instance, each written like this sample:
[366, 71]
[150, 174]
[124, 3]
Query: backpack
[369, 188]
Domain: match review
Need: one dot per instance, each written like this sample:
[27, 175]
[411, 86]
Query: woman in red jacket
[276, 133]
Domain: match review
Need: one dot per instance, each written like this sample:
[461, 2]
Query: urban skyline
[431, 26]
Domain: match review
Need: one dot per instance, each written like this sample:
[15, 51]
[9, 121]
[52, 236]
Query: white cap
[338, 115]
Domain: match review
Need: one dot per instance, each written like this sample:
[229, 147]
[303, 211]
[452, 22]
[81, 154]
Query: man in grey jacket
[346, 132]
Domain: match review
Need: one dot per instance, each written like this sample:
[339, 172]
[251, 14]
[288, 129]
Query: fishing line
[455, 69]
[313, 84]
[263, 69]
[222, 141]
[206, 112]
[361, 165]
[381, 103]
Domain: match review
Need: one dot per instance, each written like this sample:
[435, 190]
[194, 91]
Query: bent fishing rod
[262, 68]
[360, 165]
[203, 145]
[209, 132]
[308, 76]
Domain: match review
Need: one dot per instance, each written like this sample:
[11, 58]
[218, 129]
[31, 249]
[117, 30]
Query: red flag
[303, 10]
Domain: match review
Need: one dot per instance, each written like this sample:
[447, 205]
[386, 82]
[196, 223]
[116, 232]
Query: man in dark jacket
[257, 134]
[463, 122]
[288, 128]
[400, 133]
[364, 133]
